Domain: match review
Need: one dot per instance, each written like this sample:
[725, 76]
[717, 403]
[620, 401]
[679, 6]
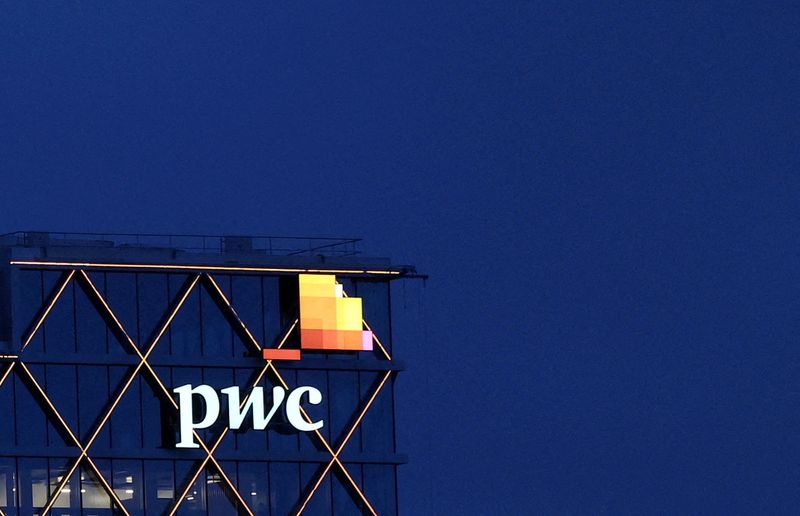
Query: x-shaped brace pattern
[124, 337]
[321, 438]
[103, 306]
[163, 389]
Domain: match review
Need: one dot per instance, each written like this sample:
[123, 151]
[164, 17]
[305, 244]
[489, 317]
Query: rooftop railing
[268, 245]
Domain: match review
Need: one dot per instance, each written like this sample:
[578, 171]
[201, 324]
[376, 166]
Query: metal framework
[79, 275]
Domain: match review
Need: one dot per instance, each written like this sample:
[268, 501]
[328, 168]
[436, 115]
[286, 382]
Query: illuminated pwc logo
[328, 321]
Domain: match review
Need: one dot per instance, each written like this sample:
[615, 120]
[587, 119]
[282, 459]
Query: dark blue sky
[605, 196]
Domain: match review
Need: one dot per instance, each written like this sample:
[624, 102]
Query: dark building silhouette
[96, 331]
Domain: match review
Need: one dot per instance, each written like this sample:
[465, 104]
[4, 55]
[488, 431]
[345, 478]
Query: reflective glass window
[32, 485]
[195, 500]
[254, 486]
[129, 485]
[95, 500]
[8, 486]
[159, 485]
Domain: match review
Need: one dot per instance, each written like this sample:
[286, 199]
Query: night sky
[604, 194]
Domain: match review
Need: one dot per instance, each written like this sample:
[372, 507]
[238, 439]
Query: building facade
[96, 332]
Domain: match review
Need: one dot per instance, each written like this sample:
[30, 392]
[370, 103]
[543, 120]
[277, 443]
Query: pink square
[366, 340]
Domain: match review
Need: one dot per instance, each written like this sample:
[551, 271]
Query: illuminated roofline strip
[223, 268]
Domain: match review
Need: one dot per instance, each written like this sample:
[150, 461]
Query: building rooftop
[151, 248]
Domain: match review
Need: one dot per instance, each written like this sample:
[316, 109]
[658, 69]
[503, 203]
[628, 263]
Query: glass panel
[90, 327]
[70, 494]
[319, 380]
[375, 296]
[345, 501]
[288, 296]
[7, 408]
[31, 426]
[195, 500]
[246, 298]
[282, 437]
[129, 485]
[94, 401]
[125, 426]
[59, 325]
[343, 406]
[153, 304]
[220, 499]
[377, 427]
[158, 416]
[93, 494]
[254, 486]
[379, 487]
[61, 388]
[33, 480]
[320, 503]
[121, 297]
[217, 331]
[8, 486]
[184, 330]
[284, 487]
[29, 305]
[219, 379]
[272, 310]
[247, 439]
[159, 485]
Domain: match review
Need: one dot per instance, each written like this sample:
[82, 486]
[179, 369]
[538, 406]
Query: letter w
[254, 402]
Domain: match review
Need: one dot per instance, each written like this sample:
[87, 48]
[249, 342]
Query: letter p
[186, 412]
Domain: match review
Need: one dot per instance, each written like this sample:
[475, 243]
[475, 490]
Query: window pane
[7, 408]
[70, 494]
[60, 323]
[159, 485]
[93, 493]
[129, 485]
[219, 502]
[31, 426]
[254, 486]
[125, 425]
[217, 331]
[90, 327]
[8, 486]
[184, 330]
[33, 480]
[285, 487]
[61, 387]
[94, 401]
[246, 298]
[195, 500]
[28, 306]
[153, 303]
[121, 297]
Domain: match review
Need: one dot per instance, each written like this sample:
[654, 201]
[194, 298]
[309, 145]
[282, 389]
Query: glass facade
[86, 421]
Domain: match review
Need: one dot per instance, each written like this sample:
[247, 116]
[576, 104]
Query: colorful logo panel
[328, 319]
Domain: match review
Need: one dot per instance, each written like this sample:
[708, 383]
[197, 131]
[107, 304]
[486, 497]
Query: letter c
[293, 408]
